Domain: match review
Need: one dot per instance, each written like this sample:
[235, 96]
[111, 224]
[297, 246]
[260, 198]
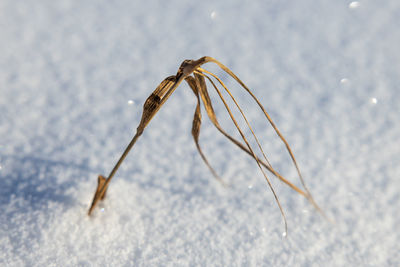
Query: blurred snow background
[74, 76]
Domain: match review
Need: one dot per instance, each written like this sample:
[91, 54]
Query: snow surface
[74, 76]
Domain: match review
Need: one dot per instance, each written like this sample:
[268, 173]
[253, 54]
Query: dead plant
[192, 72]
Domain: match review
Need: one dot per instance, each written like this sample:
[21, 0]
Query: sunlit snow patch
[344, 81]
[354, 4]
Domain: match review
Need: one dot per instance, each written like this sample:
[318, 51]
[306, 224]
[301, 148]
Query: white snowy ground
[327, 71]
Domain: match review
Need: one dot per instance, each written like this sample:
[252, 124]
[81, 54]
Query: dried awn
[194, 75]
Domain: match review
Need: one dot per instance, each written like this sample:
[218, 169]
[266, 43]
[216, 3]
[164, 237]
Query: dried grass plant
[192, 72]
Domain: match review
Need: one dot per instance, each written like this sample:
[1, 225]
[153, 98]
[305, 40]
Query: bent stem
[198, 85]
[151, 106]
